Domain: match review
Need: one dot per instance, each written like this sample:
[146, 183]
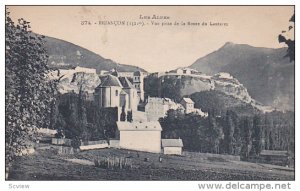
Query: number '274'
[86, 23]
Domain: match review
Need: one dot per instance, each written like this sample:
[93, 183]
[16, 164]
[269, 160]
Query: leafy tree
[28, 91]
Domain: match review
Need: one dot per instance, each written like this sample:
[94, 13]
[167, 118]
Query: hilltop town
[125, 91]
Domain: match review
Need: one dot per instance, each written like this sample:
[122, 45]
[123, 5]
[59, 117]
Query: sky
[158, 48]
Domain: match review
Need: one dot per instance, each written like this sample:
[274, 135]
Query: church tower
[138, 82]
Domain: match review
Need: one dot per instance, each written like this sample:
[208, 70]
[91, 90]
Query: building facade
[116, 92]
[140, 136]
[188, 105]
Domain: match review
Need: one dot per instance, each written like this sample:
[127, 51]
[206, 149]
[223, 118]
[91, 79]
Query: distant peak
[228, 44]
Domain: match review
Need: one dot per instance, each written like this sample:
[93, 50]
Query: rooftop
[171, 143]
[273, 152]
[139, 126]
[110, 80]
[137, 73]
[125, 82]
[187, 100]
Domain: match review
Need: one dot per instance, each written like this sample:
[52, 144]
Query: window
[117, 92]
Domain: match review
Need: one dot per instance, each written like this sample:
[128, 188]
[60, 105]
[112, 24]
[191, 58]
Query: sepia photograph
[149, 93]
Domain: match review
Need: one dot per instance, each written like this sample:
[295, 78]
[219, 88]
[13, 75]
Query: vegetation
[230, 133]
[28, 92]
[165, 86]
[150, 82]
[82, 119]
[290, 42]
[220, 103]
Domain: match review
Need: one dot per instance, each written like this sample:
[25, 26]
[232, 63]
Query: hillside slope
[221, 102]
[65, 54]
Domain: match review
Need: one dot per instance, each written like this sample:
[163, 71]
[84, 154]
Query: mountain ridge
[64, 54]
[265, 72]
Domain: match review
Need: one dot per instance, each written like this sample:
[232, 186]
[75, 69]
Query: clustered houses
[158, 107]
[125, 90]
[186, 71]
[116, 90]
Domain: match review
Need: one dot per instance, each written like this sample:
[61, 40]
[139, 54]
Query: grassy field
[46, 164]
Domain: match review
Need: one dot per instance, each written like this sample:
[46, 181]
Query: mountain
[265, 72]
[63, 54]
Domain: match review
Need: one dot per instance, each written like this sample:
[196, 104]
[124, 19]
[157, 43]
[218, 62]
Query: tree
[213, 133]
[187, 127]
[151, 84]
[82, 116]
[256, 136]
[28, 91]
[289, 41]
[245, 126]
[228, 130]
[170, 87]
[237, 139]
[129, 116]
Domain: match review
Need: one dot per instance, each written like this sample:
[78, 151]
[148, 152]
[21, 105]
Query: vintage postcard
[149, 93]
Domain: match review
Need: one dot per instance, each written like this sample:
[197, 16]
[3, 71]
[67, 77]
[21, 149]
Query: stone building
[156, 107]
[188, 105]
